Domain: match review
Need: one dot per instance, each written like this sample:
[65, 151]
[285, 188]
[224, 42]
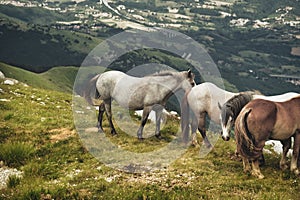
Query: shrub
[15, 154]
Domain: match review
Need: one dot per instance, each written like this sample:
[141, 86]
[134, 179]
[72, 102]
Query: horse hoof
[140, 138]
[284, 167]
[194, 143]
[208, 146]
[158, 136]
[113, 133]
[258, 175]
[100, 130]
[296, 172]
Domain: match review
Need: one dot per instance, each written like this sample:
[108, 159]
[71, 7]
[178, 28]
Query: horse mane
[244, 139]
[163, 73]
[236, 103]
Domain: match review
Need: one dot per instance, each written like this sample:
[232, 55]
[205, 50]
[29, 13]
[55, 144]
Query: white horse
[133, 93]
[203, 99]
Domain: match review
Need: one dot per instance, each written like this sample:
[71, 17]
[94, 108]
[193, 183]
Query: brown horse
[261, 120]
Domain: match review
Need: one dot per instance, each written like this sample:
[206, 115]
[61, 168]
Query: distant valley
[252, 42]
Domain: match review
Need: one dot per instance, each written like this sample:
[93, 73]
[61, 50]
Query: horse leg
[145, 116]
[100, 117]
[256, 170]
[202, 129]
[109, 116]
[246, 165]
[158, 114]
[261, 160]
[295, 156]
[286, 145]
[194, 126]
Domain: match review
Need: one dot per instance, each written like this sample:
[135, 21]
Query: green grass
[13, 181]
[15, 154]
[34, 15]
[57, 78]
[60, 78]
[60, 167]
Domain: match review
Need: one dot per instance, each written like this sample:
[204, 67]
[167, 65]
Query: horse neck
[237, 104]
[170, 83]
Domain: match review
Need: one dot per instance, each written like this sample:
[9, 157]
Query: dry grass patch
[61, 134]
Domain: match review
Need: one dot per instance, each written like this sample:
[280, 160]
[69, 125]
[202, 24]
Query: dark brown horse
[261, 120]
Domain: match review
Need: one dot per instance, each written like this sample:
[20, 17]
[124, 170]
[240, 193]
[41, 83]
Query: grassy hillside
[236, 50]
[34, 15]
[39, 48]
[58, 166]
[57, 78]
[62, 77]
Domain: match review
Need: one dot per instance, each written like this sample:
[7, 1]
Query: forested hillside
[248, 40]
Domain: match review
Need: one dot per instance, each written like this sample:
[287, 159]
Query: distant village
[123, 17]
[93, 16]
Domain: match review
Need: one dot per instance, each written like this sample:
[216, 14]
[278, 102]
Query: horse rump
[244, 139]
[91, 90]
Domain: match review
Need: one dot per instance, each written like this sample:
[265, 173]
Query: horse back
[106, 83]
[288, 118]
[273, 120]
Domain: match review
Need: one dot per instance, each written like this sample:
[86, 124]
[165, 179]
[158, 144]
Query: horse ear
[189, 73]
[219, 105]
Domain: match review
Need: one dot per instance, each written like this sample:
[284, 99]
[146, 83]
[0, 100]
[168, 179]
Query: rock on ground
[5, 173]
[2, 77]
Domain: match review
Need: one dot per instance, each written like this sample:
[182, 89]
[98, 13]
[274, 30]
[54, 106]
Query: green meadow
[38, 137]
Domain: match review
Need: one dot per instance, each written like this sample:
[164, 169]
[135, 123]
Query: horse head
[231, 109]
[189, 81]
[227, 120]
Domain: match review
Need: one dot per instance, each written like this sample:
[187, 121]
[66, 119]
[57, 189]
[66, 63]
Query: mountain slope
[38, 48]
[245, 53]
[34, 15]
[58, 78]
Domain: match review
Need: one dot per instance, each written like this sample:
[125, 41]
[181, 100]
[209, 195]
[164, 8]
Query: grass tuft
[15, 154]
[13, 181]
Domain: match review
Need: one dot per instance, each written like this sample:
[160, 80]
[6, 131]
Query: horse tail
[91, 87]
[244, 138]
[185, 115]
